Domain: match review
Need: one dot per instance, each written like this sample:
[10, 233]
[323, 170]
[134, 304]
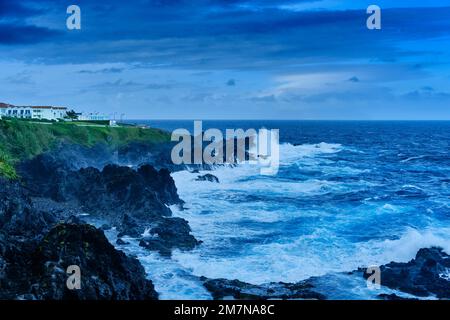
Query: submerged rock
[208, 177]
[168, 234]
[426, 275]
[223, 288]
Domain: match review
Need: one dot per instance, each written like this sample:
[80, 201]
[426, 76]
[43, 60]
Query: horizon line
[347, 120]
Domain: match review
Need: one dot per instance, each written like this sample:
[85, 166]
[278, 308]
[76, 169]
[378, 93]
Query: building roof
[5, 105]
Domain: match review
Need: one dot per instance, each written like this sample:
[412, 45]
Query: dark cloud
[11, 34]
[103, 71]
[426, 93]
[13, 9]
[158, 86]
[354, 79]
[231, 83]
[211, 34]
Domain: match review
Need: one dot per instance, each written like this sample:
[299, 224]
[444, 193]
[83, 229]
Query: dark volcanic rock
[34, 253]
[131, 200]
[129, 226]
[208, 177]
[118, 189]
[22, 227]
[222, 288]
[106, 273]
[169, 234]
[17, 215]
[426, 275]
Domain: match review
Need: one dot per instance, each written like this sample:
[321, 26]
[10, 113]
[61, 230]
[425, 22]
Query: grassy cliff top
[20, 140]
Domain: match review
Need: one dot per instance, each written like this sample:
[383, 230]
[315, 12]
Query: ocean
[348, 194]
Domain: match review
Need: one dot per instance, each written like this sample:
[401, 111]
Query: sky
[229, 59]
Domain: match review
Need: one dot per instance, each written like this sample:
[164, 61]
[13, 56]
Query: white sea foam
[290, 152]
[412, 158]
[405, 248]
[233, 218]
[170, 279]
[308, 256]
[445, 275]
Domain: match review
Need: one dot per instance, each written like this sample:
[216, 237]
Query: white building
[93, 117]
[32, 112]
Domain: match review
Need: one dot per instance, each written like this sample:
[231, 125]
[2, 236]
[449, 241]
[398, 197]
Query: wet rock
[208, 177]
[22, 227]
[168, 234]
[426, 275]
[129, 226]
[17, 215]
[144, 193]
[132, 200]
[34, 254]
[222, 288]
[106, 273]
[113, 190]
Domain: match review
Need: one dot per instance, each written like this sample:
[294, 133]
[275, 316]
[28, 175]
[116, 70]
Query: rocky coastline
[45, 226]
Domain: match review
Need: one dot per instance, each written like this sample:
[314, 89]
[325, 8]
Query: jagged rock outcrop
[168, 234]
[21, 228]
[426, 275]
[122, 188]
[18, 217]
[106, 273]
[135, 201]
[33, 253]
[223, 288]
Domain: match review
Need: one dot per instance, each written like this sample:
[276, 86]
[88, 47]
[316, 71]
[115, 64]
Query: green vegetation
[20, 140]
